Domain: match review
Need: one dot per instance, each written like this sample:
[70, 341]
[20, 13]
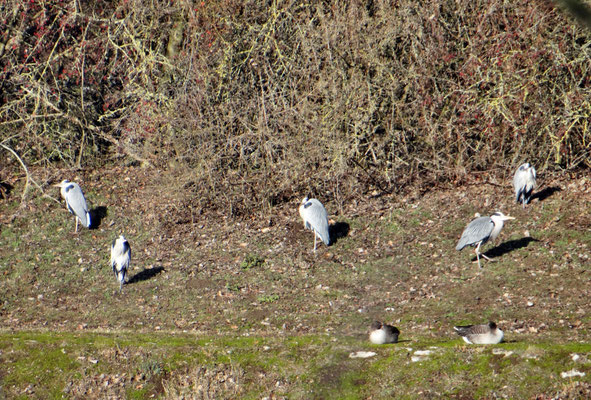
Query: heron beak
[506, 218]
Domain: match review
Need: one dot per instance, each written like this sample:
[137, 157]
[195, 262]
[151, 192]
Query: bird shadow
[5, 189]
[147, 273]
[337, 231]
[509, 246]
[97, 214]
[547, 192]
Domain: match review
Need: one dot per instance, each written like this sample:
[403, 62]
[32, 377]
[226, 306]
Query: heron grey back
[524, 182]
[479, 230]
[315, 216]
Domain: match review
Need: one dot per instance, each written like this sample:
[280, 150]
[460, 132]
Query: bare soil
[393, 259]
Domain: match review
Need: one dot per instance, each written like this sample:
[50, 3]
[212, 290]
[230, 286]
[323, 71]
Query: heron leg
[489, 259]
[76, 231]
[477, 251]
[315, 241]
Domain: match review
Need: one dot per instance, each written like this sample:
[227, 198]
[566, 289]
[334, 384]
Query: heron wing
[120, 255]
[524, 181]
[315, 215]
[114, 255]
[127, 253]
[77, 203]
[478, 230]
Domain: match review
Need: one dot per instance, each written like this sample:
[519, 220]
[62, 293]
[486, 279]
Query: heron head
[305, 200]
[62, 183]
[499, 216]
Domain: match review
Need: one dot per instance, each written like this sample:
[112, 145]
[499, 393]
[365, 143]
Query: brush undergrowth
[253, 103]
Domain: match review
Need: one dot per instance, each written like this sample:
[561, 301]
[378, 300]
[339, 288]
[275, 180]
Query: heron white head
[75, 201]
[62, 183]
[120, 259]
[500, 217]
[315, 217]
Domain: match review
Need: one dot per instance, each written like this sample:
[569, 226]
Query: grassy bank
[134, 365]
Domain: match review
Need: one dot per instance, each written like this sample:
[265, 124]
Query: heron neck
[497, 229]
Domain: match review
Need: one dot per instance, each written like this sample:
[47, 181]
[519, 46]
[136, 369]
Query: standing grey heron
[481, 230]
[315, 217]
[524, 182]
[480, 334]
[75, 202]
[383, 333]
[120, 259]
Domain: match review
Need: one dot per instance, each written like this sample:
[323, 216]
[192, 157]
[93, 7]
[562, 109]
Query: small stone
[362, 354]
[572, 373]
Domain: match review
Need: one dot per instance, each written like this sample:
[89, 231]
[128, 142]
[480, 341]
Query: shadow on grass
[338, 230]
[5, 189]
[508, 247]
[147, 273]
[97, 214]
[544, 194]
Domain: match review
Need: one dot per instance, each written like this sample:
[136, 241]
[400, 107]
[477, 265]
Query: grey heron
[120, 259]
[315, 217]
[524, 182]
[480, 230]
[480, 334]
[75, 201]
[383, 333]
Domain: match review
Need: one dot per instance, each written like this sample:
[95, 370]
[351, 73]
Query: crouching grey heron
[120, 259]
[383, 333]
[315, 217]
[75, 201]
[480, 231]
[480, 334]
[524, 182]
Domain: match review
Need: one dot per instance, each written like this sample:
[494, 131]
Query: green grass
[313, 365]
[255, 312]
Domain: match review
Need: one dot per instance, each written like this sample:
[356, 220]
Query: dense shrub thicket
[260, 101]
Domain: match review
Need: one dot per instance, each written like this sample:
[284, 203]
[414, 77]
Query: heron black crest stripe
[67, 189]
[308, 204]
